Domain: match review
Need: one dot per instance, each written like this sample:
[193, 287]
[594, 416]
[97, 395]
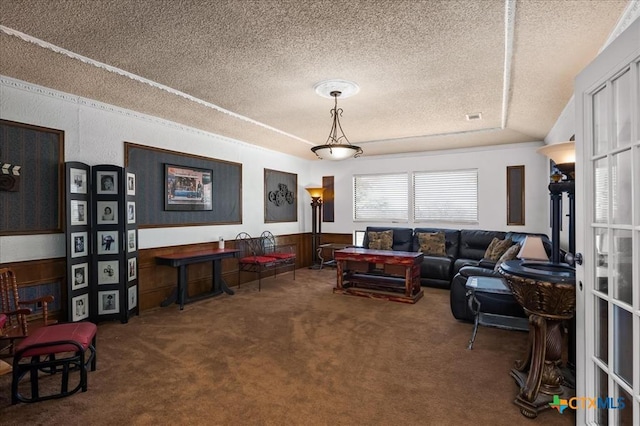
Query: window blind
[447, 196]
[381, 197]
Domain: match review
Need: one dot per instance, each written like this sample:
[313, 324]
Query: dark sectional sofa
[465, 249]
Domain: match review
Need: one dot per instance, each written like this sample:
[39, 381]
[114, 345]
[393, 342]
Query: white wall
[95, 134]
[491, 163]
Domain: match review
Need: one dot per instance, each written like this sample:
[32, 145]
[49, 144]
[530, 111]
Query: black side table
[483, 286]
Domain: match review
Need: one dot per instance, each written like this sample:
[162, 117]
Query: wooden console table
[181, 260]
[372, 273]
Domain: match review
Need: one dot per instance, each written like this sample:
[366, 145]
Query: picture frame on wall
[108, 272]
[131, 241]
[79, 244]
[78, 181]
[107, 242]
[108, 302]
[131, 184]
[187, 188]
[132, 270]
[78, 212]
[79, 276]
[133, 296]
[107, 182]
[80, 307]
[281, 198]
[107, 212]
[131, 212]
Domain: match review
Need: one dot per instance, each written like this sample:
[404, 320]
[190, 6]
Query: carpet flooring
[294, 354]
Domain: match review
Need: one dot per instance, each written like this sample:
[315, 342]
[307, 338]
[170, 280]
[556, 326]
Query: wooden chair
[15, 310]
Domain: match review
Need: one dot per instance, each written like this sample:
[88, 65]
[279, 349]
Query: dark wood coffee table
[381, 274]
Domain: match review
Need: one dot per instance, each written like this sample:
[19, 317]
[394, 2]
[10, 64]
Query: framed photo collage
[102, 243]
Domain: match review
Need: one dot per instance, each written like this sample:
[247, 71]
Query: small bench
[261, 254]
[59, 348]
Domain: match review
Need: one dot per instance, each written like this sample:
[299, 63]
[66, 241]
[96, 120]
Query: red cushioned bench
[59, 348]
[261, 254]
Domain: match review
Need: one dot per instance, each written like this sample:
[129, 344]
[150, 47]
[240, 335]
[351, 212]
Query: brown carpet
[294, 354]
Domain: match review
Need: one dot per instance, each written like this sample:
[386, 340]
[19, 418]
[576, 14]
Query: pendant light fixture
[337, 146]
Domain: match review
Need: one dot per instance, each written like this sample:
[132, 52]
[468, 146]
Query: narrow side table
[496, 286]
[333, 247]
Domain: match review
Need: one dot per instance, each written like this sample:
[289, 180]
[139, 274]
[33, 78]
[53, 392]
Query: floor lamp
[316, 222]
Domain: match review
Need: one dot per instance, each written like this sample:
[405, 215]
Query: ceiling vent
[474, 116]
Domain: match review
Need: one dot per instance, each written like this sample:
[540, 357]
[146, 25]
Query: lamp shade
[336, 152]
[563, 154]
[315, 191]
[533, 249]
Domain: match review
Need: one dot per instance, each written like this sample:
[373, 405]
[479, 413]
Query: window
[446, 196]
[381, 197]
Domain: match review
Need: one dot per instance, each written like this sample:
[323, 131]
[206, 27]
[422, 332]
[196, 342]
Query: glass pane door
[608, 111]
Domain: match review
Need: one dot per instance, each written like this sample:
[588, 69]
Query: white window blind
[446, 196]
[381, 197]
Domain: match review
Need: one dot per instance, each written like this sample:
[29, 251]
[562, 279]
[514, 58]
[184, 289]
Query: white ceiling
[246, 69]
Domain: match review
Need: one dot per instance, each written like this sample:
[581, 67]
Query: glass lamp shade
[336, 152]
[563, 154]
[315, 192]
[533, 249]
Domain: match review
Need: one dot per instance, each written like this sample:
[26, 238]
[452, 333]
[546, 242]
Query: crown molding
[61, 51]
[93, 104]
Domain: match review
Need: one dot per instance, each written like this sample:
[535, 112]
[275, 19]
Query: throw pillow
[432, 243]
[380, 240]
[497, 248]
[510, 254]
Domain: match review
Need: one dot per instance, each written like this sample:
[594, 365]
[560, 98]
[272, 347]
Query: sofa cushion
[451, 239]
[380, 240]
[474, 242]
[402, 237]
[510, 254]
[432, 243]
[497, 248]
[436, 268]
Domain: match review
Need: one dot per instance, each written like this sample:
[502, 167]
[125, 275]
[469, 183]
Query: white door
[607, 96]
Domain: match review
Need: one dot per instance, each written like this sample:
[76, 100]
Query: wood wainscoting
[43, 277]
[157, 282]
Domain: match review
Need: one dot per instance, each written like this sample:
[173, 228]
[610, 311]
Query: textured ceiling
[246, 69]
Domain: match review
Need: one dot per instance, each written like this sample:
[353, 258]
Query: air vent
[474, 116]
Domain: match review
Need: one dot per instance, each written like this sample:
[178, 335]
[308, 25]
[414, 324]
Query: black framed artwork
[515, 195]
[187, 188]
[281, 199]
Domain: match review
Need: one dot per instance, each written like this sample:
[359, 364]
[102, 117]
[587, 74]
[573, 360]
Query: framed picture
[131, 241]
[78, 212]
[107, 212]
[515, 195]
[108, 302]
[107, 242]
[108, 272]
[187, 188]
[107, 182]
[79, 244]
[131, 212]
[131, 184]
[79, 276]
[78, 184]
[132, 269]
[80, 307]
[133, 296]
[281, 200]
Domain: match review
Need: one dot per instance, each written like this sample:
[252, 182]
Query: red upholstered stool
[59, 348]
